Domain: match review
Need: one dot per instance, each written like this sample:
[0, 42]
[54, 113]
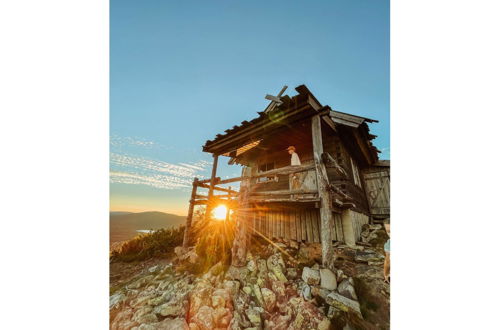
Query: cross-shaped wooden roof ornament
[275, 100]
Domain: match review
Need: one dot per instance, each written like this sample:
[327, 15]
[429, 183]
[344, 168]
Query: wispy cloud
[159, 174]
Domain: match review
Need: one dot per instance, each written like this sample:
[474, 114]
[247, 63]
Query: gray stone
[116, 299]
[368, 256]
[307, 292]
[311, 276]
[343, 303]
[346, 289]
[328, 279]
[154, 269]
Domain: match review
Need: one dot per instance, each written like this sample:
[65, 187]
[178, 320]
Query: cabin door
[378, 192]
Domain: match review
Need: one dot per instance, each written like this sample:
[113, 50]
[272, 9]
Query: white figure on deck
[295, 178]
[295, 160]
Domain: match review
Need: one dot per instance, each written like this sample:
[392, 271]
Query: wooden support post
[188, 222]
[326, 211]
[239, 246]
[212, 184]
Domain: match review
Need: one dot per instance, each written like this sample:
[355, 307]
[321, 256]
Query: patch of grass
[213, 242]
[145, 246]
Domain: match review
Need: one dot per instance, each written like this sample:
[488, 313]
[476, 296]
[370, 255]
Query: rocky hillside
[282, 286]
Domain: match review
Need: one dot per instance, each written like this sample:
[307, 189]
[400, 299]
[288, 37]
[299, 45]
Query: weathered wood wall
[300, 224]
[359, 220]
[377, 181]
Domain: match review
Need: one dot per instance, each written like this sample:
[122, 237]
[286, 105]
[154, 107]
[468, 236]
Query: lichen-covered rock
[279, 289]
[328, 279]
[311, 276]
[251, 265]
[325, 324]
[254, 315]
[269, 299]
[200, 296]
[258, 294]
[144, 315]
[343, 303]
[171, 309]
[172, 324]
[204, 318]
[123, 320]
[292, 273]
[140, 282]
[276, 265]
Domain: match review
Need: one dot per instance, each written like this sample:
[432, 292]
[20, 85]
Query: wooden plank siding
[359, 220]
[304, 225]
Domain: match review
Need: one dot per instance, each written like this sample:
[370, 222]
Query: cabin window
[355, 171]
[264, 168]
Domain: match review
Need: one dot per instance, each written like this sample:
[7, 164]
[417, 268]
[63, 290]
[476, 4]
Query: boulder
[343, 303]
[328, 279]
[171, 309]
[144, 315]
[369, 256]
[346, 289]
[204, 318]
[251, 265]
[140, 282]
[115, 299]
[311, 276]
[308, 252]
[258, 294]
[276, 265]
[269, 299]
[306, 292]
[253, 314]
[325, 324]
[279, 289]
[292, 273]
[154, 269]
[172, 324]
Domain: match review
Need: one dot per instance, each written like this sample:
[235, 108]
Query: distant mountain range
[124, 225]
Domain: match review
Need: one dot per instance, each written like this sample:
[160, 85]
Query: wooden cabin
[340, 185]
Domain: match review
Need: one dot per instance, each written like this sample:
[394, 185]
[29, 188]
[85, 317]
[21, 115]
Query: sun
[220, 212]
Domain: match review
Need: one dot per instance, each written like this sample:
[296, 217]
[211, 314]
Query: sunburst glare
[220, 212]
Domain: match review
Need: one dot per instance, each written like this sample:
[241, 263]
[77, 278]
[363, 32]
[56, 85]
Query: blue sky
[184, 71]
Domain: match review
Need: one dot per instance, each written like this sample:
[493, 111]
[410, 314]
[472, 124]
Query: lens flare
[220, 212]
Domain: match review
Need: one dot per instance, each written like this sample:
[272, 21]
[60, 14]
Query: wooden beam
[208, 180]
[284, 192]
[326, 211]
[188, 222]
[283, 200]
[212, 184]
[230, 191]
[278, 171]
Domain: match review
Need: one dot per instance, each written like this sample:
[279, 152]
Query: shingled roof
[304, 104]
